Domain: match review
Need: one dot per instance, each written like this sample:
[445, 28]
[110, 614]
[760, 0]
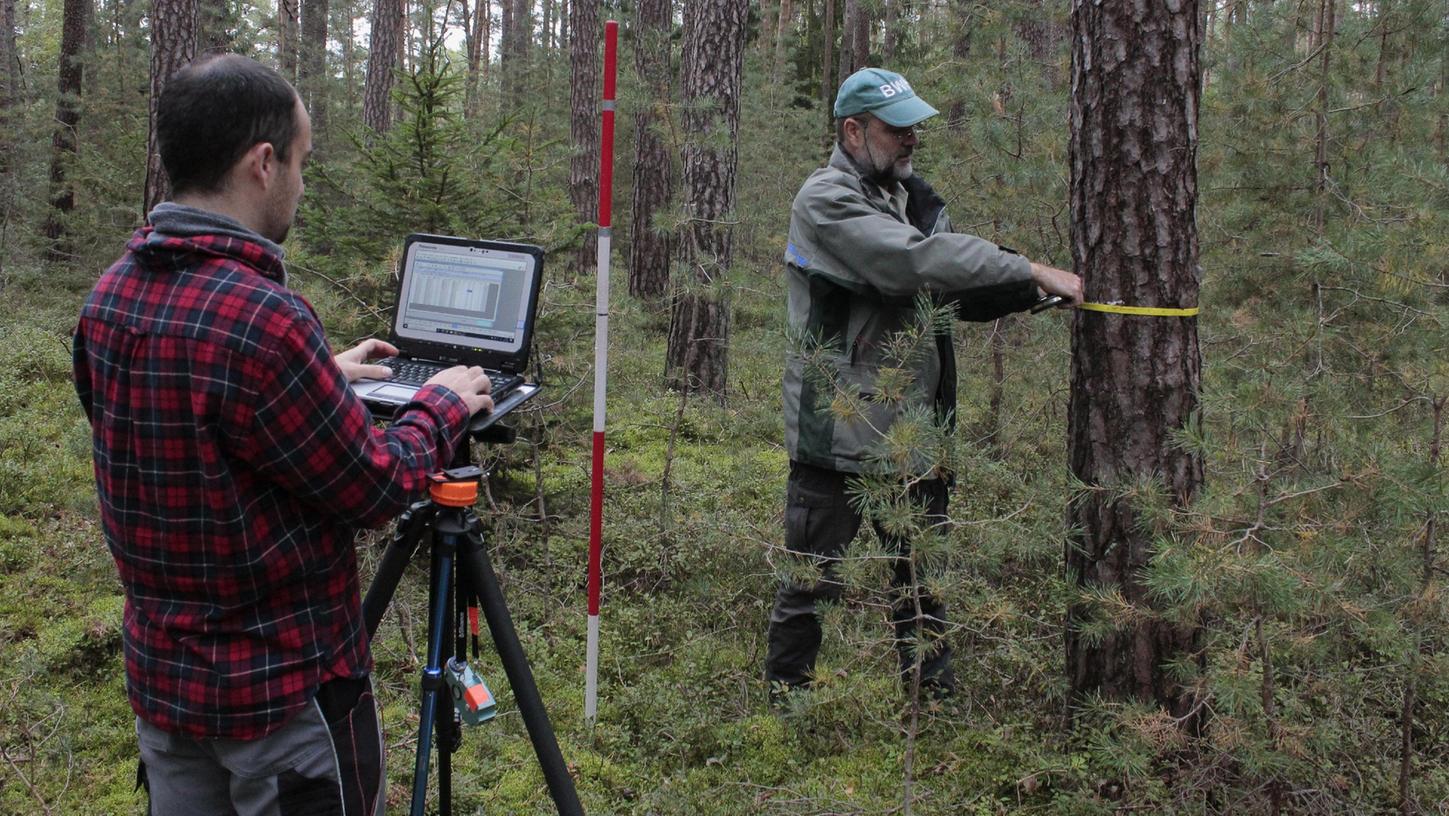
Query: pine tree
[649, 246]
[173, 45]
[697, 356]
[1135, 380]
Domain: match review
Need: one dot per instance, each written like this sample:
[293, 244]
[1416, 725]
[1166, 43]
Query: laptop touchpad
[393, 393]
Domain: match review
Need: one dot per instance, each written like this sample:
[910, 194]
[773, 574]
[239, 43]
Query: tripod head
[456, 486]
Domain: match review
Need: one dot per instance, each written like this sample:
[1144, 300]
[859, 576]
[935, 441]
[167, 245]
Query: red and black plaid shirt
[234, 466]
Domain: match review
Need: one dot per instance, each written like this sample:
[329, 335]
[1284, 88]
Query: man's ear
[854, 131]
[259, 163]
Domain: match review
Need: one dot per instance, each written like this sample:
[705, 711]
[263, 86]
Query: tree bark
[845, 63]
[506, 68]
[63, 143]
[289, 16]
[217, 20]
[9, 95]
[523, 47]
[384, 45]
[860, 38]
[828, 85]
[9, 56]
[892, 39]
[697, 356]
[1134, 379]
[312, 78]
[517, 36]
[173, 45]
[584, 127]
[347, 21]
[1324, 38]
[479, 29]
[963, 23]
[1042, 34]
[649, 248]
[769, 24]
[785, 28]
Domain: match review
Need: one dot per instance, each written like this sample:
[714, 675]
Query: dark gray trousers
[819, 524]
[326, 760]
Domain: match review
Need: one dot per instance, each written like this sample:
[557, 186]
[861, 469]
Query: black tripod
[460, 572]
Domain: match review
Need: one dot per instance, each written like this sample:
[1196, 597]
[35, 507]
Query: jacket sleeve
[871, 250]
[313, 436]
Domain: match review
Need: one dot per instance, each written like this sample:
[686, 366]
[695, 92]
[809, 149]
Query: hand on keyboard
[469, 382]
[353, 362]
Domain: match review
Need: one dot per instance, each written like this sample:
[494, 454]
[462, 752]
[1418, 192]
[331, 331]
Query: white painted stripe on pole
[591, 678]
[601, 332]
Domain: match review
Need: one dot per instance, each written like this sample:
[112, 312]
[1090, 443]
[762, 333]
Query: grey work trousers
[819, 524]
[326, 760]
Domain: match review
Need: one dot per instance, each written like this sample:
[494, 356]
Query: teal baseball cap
[883, 94]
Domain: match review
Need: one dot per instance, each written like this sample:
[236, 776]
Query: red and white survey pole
[601, 369]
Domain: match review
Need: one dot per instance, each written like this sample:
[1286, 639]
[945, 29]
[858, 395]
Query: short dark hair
[216, 109]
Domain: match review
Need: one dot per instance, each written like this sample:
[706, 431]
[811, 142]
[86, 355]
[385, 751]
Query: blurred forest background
[1308, 565]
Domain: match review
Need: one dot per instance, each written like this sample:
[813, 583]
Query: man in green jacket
[867, 237]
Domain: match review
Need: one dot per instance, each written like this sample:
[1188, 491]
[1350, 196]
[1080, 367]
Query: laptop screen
[466, 296]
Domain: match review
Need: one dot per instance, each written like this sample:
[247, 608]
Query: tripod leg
[476, 570]
[409, 530]
[445, 544]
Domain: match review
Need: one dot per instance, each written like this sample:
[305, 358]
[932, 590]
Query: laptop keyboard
[415, 372]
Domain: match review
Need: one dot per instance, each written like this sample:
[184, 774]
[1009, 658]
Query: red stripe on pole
[606, 159]
[596, 526]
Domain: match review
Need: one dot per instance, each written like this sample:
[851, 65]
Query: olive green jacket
[854, 268]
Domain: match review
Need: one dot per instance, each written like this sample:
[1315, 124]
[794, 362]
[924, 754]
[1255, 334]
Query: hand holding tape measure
[1062, 289]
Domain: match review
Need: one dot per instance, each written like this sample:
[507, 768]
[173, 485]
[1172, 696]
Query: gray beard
[880, 178]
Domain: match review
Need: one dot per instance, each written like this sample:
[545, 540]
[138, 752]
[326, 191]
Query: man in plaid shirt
[234, 467]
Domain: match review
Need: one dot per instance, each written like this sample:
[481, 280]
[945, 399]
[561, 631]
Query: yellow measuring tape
[1144, 311]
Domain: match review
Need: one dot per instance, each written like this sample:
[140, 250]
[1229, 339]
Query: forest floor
[692, 530]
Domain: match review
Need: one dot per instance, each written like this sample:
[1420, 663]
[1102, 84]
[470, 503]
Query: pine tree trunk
[963, 23]
[892, 38]
[289, 15]
[649, 248]
[1042, 34]
[9, 55]
[9, 96]
[1134, 379]
[697, 356]
[216, 19]
[1324, 39]
[173, 45]
[769, 24]
[384, 44]
[1385, 16]
[785, 28]
[860, 39]
[845, 62]
[516, 40]
[506, 68]
[480, 28]
[828, 85]
[584, 127]
[67, 117]
[312, 79]
[563, 20]
[346, 20]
